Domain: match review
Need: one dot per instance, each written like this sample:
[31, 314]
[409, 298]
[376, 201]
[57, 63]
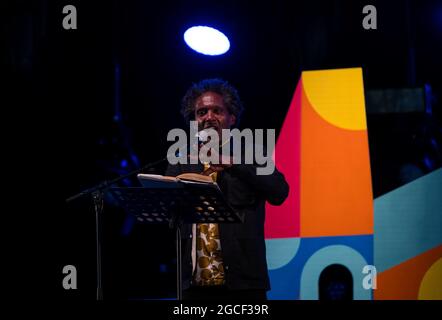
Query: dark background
[98, 101]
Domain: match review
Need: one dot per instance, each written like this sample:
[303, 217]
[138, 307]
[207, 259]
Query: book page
[157, 181]
[156, 177]
[196, 177]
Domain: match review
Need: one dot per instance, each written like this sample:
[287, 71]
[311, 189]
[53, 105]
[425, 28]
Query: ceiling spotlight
[206, 40]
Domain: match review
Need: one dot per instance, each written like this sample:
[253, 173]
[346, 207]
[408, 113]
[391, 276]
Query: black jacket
[243, 245]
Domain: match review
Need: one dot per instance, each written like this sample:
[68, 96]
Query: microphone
[202, 136]
[198, 140]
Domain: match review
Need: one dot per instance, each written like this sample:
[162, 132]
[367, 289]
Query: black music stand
[176, 203]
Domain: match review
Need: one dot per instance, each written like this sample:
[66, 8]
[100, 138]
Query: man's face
[210, 112]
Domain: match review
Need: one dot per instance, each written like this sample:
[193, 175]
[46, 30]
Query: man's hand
[223, 163]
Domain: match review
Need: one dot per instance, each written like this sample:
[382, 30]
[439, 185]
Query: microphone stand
[97, 193]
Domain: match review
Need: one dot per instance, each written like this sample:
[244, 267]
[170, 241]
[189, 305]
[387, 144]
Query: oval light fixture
[206, 40]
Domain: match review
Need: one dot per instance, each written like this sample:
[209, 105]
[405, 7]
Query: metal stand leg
[178, 263]
[98, 204]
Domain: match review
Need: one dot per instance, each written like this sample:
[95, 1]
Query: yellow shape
[337, 96]
[431, 285]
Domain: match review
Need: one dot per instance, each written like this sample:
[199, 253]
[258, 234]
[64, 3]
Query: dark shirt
[243, 244]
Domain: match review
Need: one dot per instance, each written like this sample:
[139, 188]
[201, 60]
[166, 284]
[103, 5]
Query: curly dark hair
[226, 90]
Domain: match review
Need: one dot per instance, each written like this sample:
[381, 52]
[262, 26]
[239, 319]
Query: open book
[192, 197]
[156, 180]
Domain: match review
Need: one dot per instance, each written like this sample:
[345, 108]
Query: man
[227, 260]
